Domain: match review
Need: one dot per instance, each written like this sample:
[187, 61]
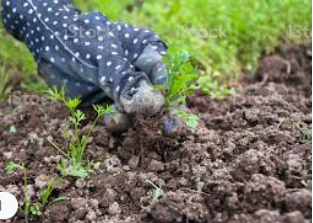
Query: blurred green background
[225, 37]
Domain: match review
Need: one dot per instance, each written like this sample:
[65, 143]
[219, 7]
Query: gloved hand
[91, 56]
[150, 62]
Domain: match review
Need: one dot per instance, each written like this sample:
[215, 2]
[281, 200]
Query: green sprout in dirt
[157, 193]
[306, 134]
[183, 81]
[12, 129]
[10, 168]
[45, 194]
[73, 163]
[192, 121]
[296, 125]
[34, 208]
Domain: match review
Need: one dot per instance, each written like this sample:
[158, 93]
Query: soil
[249, 161]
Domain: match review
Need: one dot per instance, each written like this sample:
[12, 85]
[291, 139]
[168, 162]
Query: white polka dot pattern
[85, 51]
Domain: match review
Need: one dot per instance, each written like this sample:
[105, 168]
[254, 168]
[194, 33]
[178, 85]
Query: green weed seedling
[73, 163]
[157, 193]
[306, 134]
[183, 81]
[12, 167]
[45, 195]
[295, 125]
[192, 121]
[34, 208]
[12, 129]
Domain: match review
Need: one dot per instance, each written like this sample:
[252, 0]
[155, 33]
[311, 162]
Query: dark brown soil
[250, 161]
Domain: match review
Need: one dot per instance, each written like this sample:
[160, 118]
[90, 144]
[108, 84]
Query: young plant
[12, 129]
[306, 134]
[73, 163]
[157, 193]
[183, 81]
[296, 125]
[12, 167]
[192, 121]
[34, 208]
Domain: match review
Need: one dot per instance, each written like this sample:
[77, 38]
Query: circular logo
[8, 205]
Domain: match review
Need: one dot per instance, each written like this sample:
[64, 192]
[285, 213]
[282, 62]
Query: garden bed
[249, 161]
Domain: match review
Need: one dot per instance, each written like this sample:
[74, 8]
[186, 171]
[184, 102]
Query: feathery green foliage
[30, 207]
[157, 193]
[73, 162]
